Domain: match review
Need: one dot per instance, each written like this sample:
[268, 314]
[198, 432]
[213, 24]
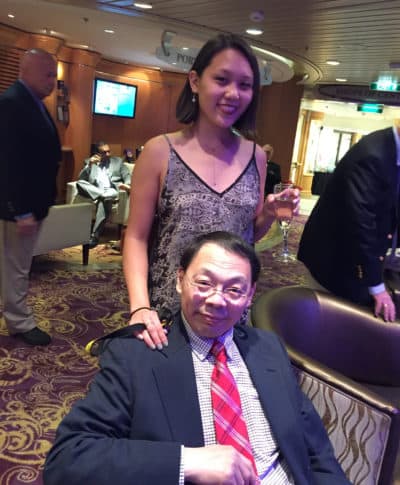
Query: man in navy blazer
[350, 229]
[29, 158]
[148, 416]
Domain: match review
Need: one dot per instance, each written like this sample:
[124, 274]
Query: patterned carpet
[76, 304]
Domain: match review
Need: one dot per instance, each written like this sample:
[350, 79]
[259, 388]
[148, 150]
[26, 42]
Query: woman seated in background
[128, 156]
[209, 176]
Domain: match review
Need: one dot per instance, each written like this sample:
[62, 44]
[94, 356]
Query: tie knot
[218, 351]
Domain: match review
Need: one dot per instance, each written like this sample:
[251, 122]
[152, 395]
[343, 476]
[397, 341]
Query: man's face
[41, 75]
[215, 290]
[104, 152]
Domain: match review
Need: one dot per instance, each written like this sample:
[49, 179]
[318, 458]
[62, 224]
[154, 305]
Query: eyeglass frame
[213, 288]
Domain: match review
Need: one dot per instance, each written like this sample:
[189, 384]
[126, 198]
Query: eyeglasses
[233, 294]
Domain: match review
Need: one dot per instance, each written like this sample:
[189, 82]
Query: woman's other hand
[293, 194]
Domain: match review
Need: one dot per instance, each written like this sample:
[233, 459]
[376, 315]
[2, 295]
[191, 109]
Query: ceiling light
[143, 5]
[341, 79]
[254, 31]
[10, 16]
[108, 31]
[333, 63]
[185, 48]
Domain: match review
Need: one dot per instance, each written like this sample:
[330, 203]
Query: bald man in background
[29, 159]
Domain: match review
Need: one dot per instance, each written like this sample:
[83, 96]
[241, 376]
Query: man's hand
[125, 187]
[27, 226]
[218, 465]
[94, 159]
[384, 305]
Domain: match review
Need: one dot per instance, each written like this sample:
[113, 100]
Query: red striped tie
[230, 427]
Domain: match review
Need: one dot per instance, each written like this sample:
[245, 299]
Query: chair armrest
[363, 427]
[122, 212]
[72, 192]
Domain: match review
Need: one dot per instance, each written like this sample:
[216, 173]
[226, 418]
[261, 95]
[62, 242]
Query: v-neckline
[222, 192]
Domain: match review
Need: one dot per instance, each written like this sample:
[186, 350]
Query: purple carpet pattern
[76, 304]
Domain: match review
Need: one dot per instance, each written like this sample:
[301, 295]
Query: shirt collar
[397, 141]
[201, 346]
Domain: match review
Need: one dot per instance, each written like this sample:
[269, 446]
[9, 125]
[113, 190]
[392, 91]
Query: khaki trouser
[15, 264]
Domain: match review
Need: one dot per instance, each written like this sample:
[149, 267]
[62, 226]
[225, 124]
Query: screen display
[114, 98]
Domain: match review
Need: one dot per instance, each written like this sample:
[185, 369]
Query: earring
[194, 98]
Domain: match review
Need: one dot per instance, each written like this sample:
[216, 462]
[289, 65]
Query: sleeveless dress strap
[169, 142]
[254, 150]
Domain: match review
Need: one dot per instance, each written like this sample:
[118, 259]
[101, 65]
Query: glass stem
[285, 241]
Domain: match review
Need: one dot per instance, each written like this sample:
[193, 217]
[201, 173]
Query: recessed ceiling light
[108, 31]
[341, 79]
[10, 16]
[143, 5]
[333, 63]
[254, 31]
[185, 48]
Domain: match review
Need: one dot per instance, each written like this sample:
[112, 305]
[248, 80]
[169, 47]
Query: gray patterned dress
[189, 207]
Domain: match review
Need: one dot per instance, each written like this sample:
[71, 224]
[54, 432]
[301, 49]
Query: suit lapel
[275, 398]
[179, 393]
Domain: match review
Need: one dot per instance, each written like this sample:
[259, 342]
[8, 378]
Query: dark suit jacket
[273, 177]
[143, 405]
[349, 231]
[29, 156]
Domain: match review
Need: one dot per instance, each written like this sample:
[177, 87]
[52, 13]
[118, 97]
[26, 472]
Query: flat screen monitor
[114, 98]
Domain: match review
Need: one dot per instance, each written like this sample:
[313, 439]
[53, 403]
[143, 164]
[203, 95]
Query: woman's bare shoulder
[178, 138]
[158, 143]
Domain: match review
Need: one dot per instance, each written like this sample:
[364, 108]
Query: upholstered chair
[330, 341]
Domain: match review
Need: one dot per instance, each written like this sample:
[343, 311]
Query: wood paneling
[278, 113]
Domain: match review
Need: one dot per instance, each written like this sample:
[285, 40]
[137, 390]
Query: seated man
[176, 415]
[100, 180]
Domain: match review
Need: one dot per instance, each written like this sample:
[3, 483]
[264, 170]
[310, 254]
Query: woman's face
[225, 88]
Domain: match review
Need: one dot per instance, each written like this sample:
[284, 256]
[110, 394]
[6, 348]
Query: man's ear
[193, 78]
[179, 278]
[251, 294]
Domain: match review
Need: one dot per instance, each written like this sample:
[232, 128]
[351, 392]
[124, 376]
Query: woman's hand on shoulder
[154, 336]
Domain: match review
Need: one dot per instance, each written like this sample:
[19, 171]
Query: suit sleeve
[93, 443]
[121, 173]
[125, 174]
[84, 174]
[365, 187]
[15, 159]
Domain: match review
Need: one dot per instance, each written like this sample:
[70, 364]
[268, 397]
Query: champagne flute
[284, 216]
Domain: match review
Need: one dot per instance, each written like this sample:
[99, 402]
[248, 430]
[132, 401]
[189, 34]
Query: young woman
[206, 177]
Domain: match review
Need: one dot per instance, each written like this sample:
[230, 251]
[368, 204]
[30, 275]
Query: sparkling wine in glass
[284, 216]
